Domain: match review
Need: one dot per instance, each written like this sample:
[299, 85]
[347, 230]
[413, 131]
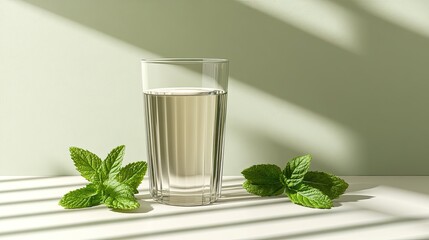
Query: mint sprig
[110, 184]
[307, 188]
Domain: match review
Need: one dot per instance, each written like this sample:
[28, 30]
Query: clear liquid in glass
[185, 144]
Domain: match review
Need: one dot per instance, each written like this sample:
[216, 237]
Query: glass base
[185, 200]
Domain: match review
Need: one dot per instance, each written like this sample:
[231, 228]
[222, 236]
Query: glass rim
[184, 60]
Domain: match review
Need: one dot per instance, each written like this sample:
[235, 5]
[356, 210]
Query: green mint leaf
[112, 185]
[132, 174]
[263, 174]
[86, 162]
[119, 196]
[81, 198]
[328, 184]
[296, 169]
[263, 180]
[309, 197]
[110, 167]
[264, 190]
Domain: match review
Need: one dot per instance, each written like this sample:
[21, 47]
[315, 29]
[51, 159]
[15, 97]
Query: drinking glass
[185, 108]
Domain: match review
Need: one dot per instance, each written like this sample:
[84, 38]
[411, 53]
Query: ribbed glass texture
[185, 108]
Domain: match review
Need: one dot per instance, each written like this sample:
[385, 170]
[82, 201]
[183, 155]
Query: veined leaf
[296, 169]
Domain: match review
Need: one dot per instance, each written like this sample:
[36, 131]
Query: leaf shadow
[355, 187]
[350, 198]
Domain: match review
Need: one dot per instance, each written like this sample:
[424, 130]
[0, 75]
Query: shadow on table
[44, 213]
[343, 229]
[189, 211]
[223, 225]
[244, 196]
[25, 179]
[354, 187]
[350, 198]
[42, 188]
[235, 193]
[420, 238]
[27, 201]
[241, 197]
[145, 207]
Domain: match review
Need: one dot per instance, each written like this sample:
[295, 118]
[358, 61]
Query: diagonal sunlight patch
[294, 127]
[320, 18]
[395, 201]
[75, 75]
[412, 15]
[271, 119]
[250, 110]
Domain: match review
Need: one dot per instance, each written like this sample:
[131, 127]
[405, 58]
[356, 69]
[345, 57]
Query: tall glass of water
[185, 107]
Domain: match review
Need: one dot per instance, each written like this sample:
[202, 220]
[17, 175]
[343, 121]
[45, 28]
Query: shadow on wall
[378, 92]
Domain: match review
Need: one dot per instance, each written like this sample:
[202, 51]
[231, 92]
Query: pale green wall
[347, 81]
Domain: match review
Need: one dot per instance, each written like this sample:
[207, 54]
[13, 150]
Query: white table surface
[372, 208]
